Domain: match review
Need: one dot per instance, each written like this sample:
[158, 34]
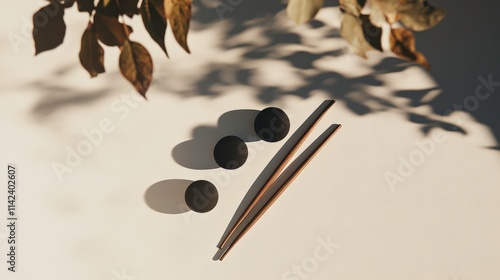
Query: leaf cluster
[107, 26]
[363, 21]
[362, 26]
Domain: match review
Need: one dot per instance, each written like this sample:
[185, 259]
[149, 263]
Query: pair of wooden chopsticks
[266, 196]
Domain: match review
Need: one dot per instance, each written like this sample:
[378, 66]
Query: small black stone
[201, 196]
[230, 152]
[272, 124]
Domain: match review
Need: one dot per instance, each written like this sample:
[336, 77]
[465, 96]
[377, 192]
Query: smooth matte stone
[201, 196]
[272, 124]
[230, 152]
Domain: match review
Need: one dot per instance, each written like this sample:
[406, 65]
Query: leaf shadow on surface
[457, 63]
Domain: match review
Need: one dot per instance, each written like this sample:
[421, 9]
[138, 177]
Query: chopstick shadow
[167, 196]
[197, 153]
[271, 167]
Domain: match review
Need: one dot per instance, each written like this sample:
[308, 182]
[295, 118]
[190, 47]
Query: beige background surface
[441, 223]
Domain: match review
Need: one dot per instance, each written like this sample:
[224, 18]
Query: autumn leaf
[154, 20]
[128, 7]
[68, 3]
[302, 11]
[108, 8]
[136, 65]
[91, 53]
[49, 28]
[421, 16]
[109, 30]
[360, 34]
[352, 7]
[178, 12]
[402, 43]
[85, 5]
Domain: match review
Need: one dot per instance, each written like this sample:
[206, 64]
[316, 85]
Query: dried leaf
[68, 3]
[109, 30]
[415, 14]
[91, 53]
[136, 65]
[352, 30]
[420, 16]
[85, 5]
[379, 12]
[109, 8]
[129, 7]
[402, 43]
[178, 12]
[154, 21]
[302, 11]
[352, 7]
[49, 28]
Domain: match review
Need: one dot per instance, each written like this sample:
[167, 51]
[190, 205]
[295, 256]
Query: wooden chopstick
[327, 135]
[327, 105]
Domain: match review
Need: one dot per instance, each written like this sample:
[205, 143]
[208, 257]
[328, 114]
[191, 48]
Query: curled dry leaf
[136, 65]
[153, 16]
[91, 53]
[109, 30]
[49, 28]
[402, 43]
[352, 7]
[361, 34]
[178, 12]
[302, 11]
[421, 16]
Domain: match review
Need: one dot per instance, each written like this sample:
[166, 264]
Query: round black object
[230, 152]
[272, 124]
[201, 196]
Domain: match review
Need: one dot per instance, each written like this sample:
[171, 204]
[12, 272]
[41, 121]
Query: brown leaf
[178, 12]
[136, 65]
[154, 21]
[402, 43]
[48, 27]
[129, 7]
[91, 53]
[109, 30]
[85, 5]
[68, 3]
[108, 8]
[302, 11]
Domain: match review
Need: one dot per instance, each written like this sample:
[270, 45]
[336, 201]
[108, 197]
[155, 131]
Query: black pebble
[201, 196]
[230, 152]
[272, 124]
